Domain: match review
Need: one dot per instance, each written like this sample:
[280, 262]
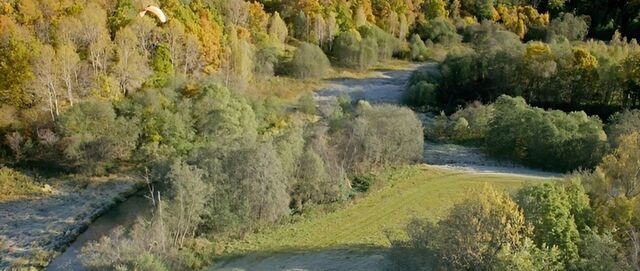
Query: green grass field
[415, 191]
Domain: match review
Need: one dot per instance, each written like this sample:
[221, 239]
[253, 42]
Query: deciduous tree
[130, 68]
[277, 28]
[548, 209]
[46, 78]
[16, 53]
[67, 61]
[309, 62]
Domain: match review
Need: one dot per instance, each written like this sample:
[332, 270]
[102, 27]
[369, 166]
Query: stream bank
[33, 231]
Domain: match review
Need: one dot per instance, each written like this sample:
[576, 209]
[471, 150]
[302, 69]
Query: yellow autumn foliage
[520, 19]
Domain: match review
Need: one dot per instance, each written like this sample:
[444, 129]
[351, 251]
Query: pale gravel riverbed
[43, 227]
[387, 87]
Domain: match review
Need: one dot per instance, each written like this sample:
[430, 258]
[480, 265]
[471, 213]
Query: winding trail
[453, 159]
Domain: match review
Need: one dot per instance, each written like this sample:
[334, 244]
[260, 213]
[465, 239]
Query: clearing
[355, 237]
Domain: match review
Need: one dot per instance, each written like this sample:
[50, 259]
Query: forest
[211, 104]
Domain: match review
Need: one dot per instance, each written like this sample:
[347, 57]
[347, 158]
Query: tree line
[511, 129]
[592, 76]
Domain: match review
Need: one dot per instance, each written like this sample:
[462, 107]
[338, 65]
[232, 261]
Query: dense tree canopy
[91, 87]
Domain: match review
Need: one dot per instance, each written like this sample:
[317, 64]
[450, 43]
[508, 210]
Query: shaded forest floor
[357, 237]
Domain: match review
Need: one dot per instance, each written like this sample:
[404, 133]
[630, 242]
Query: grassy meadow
[408, 192]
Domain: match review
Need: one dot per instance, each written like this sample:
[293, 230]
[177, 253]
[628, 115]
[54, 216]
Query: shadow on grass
[348, 258]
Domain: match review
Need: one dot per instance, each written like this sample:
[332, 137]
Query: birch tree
[189, 195]
[45, 78]
[319, 28]
[130, 68]
[192, 58]
[277, 28]
[360, 18]
[67, 61]
[331, 29]
[174, 37]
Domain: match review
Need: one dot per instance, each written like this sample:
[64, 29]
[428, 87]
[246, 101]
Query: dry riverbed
[33, 231]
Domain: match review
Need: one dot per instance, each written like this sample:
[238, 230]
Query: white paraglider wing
[156, 11]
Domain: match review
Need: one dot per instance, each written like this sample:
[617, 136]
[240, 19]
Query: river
[387, 87]
[123, 214]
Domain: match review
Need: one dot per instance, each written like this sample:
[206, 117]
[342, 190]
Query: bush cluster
[227, 172]
[585, 222]
[16, 185]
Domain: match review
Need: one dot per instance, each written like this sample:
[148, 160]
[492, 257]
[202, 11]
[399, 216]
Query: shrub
[567, 26]
[418, 51]
[309, 62]
[387, 43]
[148, 262]
[438, 128]
[466, 125]
[423, 75]
[307, 103]
[438, 30]
[166, 124]
[15, 185]
[477, 117]
[421, 94]
[337, 186]
[314, 184]
[473, 234]
[250, 186]
[363, 183]
[622, 124]
[223, 118]
[289, 145]
[559, 141]
[368, 55]
[379, 136]
[346, 49]
[351, 50]
[267, 55]
[95, 135]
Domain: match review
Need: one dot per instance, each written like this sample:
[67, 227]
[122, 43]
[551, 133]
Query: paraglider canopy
[155, 11]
